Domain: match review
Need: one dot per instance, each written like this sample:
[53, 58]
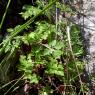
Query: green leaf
[29, 11]
[32, 35]
[59, 45]
[55, 68]
[57, 53]
[48, 51]
[34, 78]
[52, 43]
[25, 63]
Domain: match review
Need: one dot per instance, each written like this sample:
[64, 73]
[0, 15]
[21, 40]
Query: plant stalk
[4, 15]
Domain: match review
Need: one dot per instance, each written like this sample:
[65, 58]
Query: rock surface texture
[87, 23]
[89, 35]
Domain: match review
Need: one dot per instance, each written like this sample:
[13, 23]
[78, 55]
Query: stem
[2, 87]
[72, 54]
[14, 84]
[4, 15]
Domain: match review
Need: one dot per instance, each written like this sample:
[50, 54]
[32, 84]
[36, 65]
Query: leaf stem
[4, 15]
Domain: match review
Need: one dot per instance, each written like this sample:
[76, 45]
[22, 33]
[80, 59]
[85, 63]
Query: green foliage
[12, 45]
[42, 52]
[29, 11]
[26, 63]
[76, 43]
[47, 48]
[42, 32]
[55, 68]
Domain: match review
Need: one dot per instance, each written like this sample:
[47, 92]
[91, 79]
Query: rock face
[88, 31]
[88, 23]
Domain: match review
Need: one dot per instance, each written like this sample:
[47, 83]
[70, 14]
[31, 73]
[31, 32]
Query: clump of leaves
[29, 11]
[47, 56]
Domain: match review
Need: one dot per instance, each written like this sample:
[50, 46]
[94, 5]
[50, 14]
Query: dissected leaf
[57, 53]
[29, 11]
